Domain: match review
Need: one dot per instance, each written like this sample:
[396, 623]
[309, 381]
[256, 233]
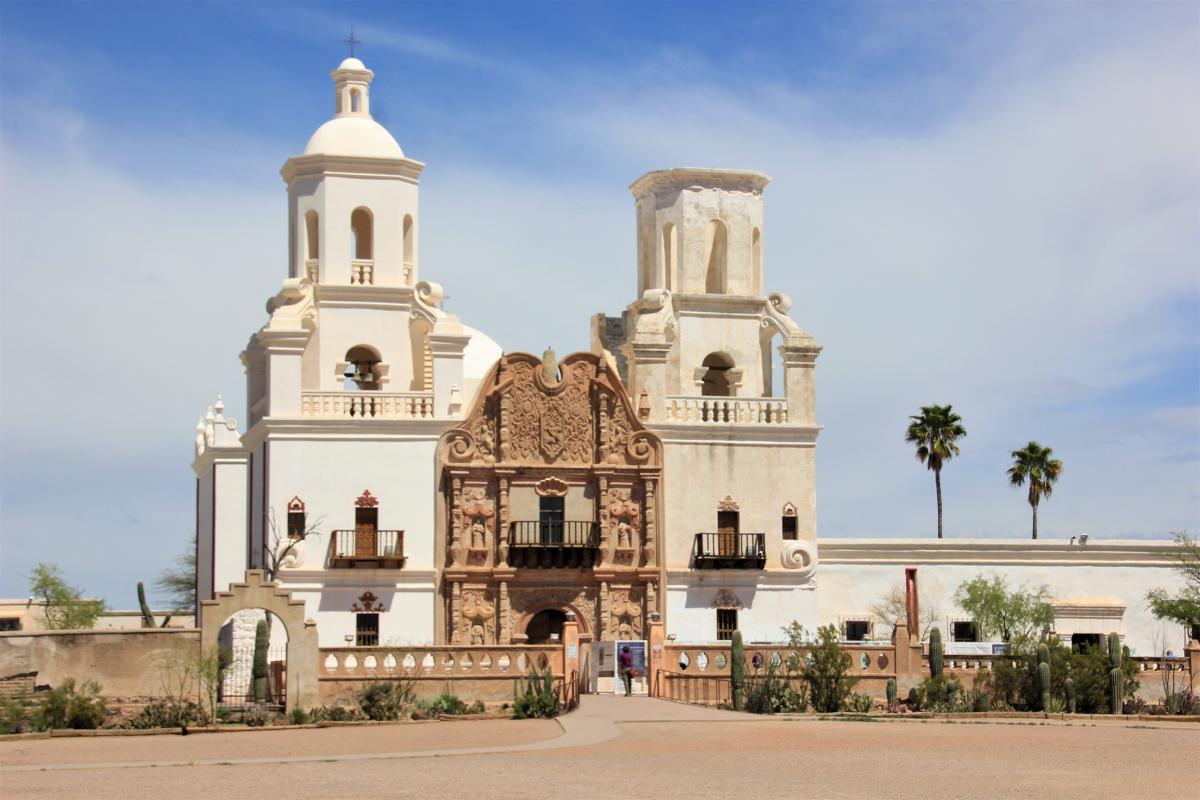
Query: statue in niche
[478, 535]
[624, 535]
[477, 635]
[625, 631]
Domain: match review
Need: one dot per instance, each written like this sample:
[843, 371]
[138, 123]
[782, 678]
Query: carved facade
[564, 437]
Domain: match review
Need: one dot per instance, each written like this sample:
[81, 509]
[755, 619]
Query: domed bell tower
[352, 196]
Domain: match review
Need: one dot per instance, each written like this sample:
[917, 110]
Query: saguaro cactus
[147, 615]
[935, 653]
[259, 673]
[1043, 656]
[892, 698]
[1116, 678]
[737, 669]
[1069, 687]
[1114, 649]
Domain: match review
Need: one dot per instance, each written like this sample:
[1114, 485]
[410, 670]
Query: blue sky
[990, 204]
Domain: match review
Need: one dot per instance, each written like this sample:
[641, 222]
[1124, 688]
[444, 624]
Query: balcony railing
[362, 272]
[354, 548]
[567, 543]
[367, 405]
[727, 410]
[729, 551]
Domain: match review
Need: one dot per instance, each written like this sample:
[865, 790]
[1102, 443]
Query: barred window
[727, 623]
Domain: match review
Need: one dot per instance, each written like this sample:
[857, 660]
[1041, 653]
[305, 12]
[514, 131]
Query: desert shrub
[167, 713]
[943, 693]
[336, 714]
[774, 694]
[256, 717]
[858, 703]
[1182, 703]
[298, 716]
[826, 670]
[445, 703]
[538, 700]
[67, 707]
[16, 714]
[385, 699]
[477, 707]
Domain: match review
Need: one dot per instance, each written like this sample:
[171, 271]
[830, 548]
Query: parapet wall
[126, 663]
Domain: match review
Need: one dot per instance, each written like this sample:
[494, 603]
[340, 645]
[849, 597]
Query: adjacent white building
[358, 373]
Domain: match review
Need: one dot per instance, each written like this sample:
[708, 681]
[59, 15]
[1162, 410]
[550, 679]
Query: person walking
[626, 665]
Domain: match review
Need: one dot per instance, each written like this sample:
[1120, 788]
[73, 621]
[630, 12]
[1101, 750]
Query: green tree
[65, 608]
[935, 432]
[178, 582]
[1183, 606]
[824, 666]
[1016, 616]
[1033, 465]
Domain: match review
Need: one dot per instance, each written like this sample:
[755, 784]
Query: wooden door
[365, 522]
[727, 529]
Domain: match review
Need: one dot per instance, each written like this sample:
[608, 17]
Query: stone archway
[302, 648]
[530, 615]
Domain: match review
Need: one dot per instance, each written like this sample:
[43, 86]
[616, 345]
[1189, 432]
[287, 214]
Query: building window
[726, 623]
[296, 520]
[551, 514]
[857, 630]
[715, 382]
[714, 276]
[361, 234]
[366, 630]
[10, 623]
[789, 527]
[964, 631]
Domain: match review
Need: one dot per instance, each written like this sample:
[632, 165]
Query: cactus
[147, 615]
[1043, 653]
[891, 692]
[951, 694]
[935, 653]
[737, 669]
[259, 673]
[1116, 687]
[1044, 681]
[1069, 688]
[1114, 650]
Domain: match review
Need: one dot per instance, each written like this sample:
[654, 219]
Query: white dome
[479, 355]
[353, 136]
[352, 63]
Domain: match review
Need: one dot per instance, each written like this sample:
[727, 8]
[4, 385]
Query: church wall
[384, 329]
[766, 605]
[204, 534]
[760, 479]
[230, 479]
[330, 475]
[848, 590]
[388, 200]
[735, 333]
[405, 603]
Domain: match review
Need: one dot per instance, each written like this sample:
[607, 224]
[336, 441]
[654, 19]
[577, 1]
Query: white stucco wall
[768, 603]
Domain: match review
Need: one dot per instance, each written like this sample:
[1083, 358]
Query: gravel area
[708, 755]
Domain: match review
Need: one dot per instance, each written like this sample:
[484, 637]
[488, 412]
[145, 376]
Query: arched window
[716, 375]
[362, 232]
[714, 276]
[669, 250]
[408, 244]
[312, 244]
[362, 369]
[355, 100]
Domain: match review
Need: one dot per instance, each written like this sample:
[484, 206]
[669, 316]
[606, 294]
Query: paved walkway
[595, 721]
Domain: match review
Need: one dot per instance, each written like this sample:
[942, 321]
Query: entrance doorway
[546, 626]
[727, 530]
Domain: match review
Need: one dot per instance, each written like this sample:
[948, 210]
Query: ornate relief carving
[789, 510]
[478, 516]
[726, 599]
[478, 617]
[295, 504]
[728, 504]
[626, 608]
[624, 520]
[551, 487]
[366, 603]
[522, 600]
[366, 500]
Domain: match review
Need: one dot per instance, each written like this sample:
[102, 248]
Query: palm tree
[1034, 464]
[935, 432]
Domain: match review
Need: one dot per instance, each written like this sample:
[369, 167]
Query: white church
[413, 483]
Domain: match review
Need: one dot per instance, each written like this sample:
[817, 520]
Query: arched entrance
[545, 626]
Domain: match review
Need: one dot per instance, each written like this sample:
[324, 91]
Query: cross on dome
[352, 41]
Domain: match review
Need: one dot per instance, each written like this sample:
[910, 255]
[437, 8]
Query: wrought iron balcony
[568, 543]
[729, 551]
[367, 549]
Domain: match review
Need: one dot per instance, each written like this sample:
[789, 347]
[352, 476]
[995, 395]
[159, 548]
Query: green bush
[826, 670]
[537, 700]
[167, 713]
[477, 707]
[336, 714]
[298, 716]
[445, 703]
[942, 694]
[773, 694]
[16, 714]
[385, 700]
[858, 703]
[66, 707]
[1014, 682]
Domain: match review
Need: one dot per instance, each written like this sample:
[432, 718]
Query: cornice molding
[982, 552]
[363, 430]
[698, 178]
[404, 169]
[737, 434]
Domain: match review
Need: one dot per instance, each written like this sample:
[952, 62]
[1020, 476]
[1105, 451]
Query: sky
[993, 205]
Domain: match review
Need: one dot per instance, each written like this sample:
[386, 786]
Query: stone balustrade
[362, 272]
[727, 410]
[367, 405]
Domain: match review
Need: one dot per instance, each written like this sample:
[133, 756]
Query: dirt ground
[626, 756]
